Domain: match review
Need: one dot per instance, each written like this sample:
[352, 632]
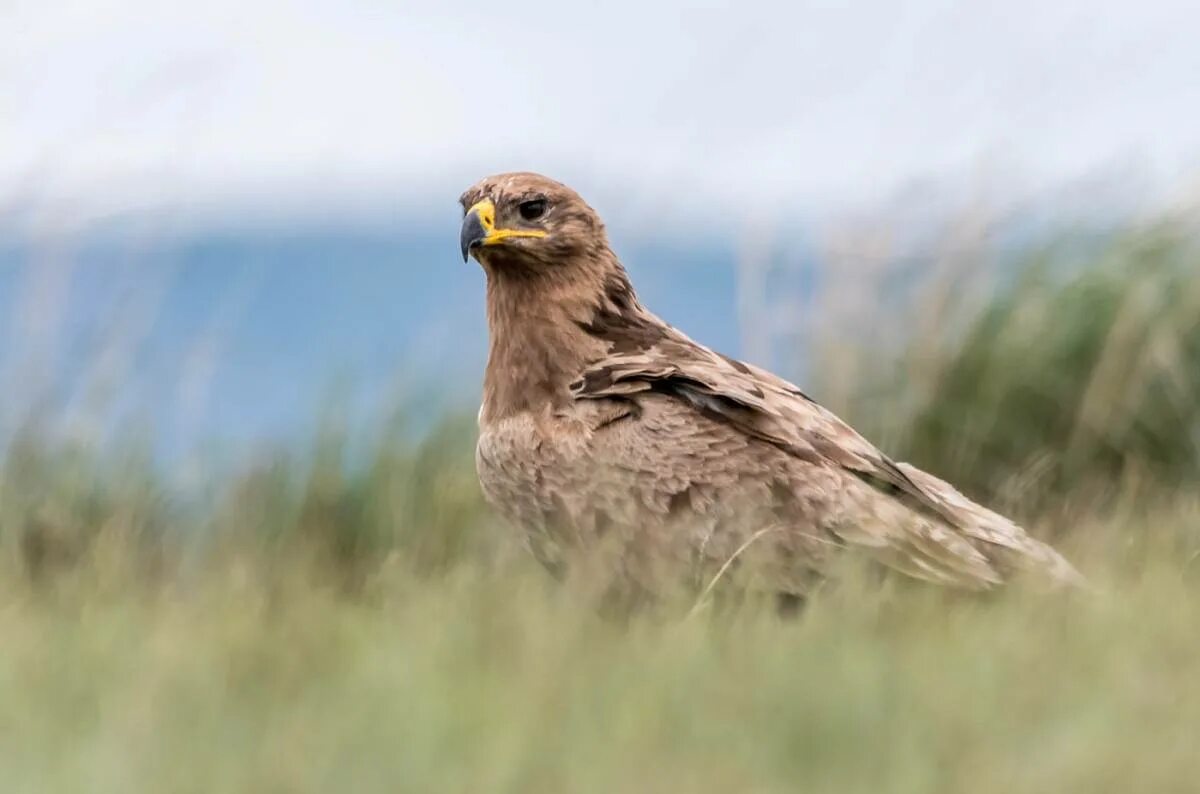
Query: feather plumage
[604, 427]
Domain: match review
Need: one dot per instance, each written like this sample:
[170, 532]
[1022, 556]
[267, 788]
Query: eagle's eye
[532, 210]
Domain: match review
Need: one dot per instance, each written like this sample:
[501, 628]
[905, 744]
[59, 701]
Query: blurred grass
[481, 680]
[1075, 380]
[502, 684]
[320, 620]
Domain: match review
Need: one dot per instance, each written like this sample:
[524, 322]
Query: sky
[225, 207]
[659, 109]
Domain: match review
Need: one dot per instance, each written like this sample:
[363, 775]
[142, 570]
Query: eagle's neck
[546, 328]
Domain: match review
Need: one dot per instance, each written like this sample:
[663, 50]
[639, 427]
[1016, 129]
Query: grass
[300, 624]
[499, 680]
[1085, 379]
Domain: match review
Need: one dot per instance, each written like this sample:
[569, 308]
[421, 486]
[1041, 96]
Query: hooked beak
[473, 232]
[479, 229]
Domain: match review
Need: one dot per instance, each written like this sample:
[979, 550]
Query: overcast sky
[702, 105]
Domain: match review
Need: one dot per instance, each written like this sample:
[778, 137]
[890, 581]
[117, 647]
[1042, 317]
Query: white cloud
[736, 105]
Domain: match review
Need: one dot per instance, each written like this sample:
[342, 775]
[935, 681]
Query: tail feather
[1005, 543]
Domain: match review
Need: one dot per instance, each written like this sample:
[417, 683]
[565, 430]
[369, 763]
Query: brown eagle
[607, 434]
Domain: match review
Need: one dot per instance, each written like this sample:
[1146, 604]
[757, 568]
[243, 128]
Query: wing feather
[944, 546]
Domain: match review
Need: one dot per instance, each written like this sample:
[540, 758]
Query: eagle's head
[523, 221]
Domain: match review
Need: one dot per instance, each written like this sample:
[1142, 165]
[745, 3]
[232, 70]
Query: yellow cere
[486, 211]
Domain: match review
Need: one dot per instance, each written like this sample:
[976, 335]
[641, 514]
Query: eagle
[613, 441]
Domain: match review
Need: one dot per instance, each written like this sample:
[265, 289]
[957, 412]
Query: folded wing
[922, 525]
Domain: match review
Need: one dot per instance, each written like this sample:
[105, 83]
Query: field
[316, 621]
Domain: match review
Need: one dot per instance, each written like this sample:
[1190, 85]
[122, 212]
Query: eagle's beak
[479, 228]
[473, 232]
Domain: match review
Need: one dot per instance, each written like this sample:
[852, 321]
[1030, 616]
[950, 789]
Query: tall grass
[1076, 380]
[475, 681]
[316, 620]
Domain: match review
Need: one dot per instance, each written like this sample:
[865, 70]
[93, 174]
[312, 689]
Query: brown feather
[603, 428]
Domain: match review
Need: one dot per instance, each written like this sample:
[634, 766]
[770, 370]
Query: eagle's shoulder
[753, 401]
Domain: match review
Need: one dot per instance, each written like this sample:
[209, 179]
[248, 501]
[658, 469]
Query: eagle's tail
[1006, 545]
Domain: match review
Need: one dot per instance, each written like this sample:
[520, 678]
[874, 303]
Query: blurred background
[240, 359]
[212, 213]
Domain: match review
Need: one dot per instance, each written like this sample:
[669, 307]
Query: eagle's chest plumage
[540, 472]
[515, 459]
[656, 490]
[545, 469]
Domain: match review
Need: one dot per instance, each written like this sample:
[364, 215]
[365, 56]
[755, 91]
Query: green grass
[1074, 379]
[499, 680]
[300, 623]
